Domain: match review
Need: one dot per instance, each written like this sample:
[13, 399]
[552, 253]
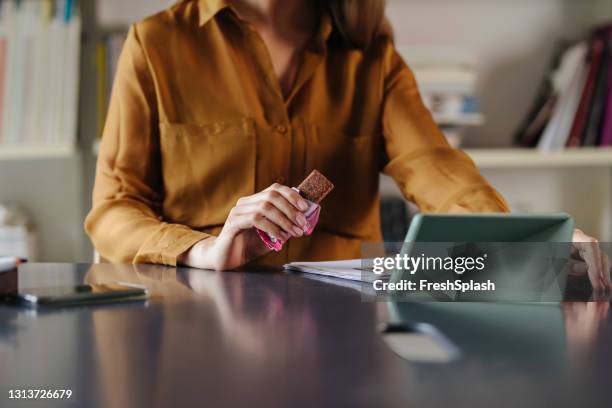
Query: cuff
[165, 246]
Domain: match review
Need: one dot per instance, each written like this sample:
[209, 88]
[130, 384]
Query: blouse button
[282, 129]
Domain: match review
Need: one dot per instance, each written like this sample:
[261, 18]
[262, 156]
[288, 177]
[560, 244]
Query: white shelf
[36, 152]
[532, 158]
[468, 119]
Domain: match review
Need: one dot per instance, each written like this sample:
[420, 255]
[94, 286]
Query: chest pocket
[351, 163]
[206, 168]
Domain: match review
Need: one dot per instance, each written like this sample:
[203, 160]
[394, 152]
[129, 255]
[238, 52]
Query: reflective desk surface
[272, 339]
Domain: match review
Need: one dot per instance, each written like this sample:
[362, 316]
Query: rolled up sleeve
[125, 222]
[436, 177]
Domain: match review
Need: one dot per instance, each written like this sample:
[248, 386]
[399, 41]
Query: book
[606, 129]
[107, 58]
[540, 113]
[115, 46]
[535, 128]
[36, 72]
[606, 133]
[595, 118]
[532, 127]
[71, 75]
[11, 22]
[449, 92]
[8, 263]
[2, 76]
[101, 87]
[568, 83]
[586, 101]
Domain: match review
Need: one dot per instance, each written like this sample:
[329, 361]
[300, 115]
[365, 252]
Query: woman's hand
[596, 263]
[278, 211]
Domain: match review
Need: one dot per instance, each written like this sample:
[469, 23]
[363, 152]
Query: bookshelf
[40, 161]
[37, 152]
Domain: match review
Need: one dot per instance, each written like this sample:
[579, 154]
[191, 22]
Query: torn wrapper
[312, 218]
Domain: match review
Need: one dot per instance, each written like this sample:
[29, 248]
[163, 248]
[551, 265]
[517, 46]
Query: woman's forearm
[200, 256]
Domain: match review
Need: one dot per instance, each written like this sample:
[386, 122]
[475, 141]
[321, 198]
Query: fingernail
[298, 231]
[303, 205]
[301, 220]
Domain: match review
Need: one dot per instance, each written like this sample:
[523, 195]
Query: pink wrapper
[312, 218]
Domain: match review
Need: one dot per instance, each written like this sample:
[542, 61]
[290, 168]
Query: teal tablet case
[522, 332]
[491, 228]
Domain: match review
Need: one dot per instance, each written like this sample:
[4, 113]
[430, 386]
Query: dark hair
[358, 23]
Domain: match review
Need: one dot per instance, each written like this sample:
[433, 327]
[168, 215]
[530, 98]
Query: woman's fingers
[605, 261]
[270, 228]
[595, 259]
[590, 254]
[242, 218]
[265, 209]
[577, 267]
[282, 198]
[290, 195]
[281, 202]
[269, 210]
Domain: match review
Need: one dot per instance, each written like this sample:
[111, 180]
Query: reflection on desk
[248, 334]
[268, 339]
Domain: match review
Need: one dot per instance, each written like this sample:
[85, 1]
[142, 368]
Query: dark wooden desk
[265, 339]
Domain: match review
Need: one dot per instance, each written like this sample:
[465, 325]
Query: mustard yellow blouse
[197, 119]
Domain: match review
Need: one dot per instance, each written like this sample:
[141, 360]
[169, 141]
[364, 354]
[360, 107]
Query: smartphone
[81, 294]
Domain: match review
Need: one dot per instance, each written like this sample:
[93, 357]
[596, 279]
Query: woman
[219, 106]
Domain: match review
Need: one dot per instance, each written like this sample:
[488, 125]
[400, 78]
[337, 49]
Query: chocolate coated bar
[315, 187]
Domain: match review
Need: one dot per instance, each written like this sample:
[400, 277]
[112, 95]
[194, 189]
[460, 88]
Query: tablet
[525, 255]
[523, 324]
[491, 228]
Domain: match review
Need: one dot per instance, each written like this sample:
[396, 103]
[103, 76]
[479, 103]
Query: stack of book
[449, 91]
[107, 58]
[39, 72]
[17, 235]
[574, 106]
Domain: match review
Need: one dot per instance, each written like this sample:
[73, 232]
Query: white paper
[349, 269]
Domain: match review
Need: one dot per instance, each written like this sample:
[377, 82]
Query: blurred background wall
[499, 51]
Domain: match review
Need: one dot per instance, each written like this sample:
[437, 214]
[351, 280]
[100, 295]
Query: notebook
[350, 269]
